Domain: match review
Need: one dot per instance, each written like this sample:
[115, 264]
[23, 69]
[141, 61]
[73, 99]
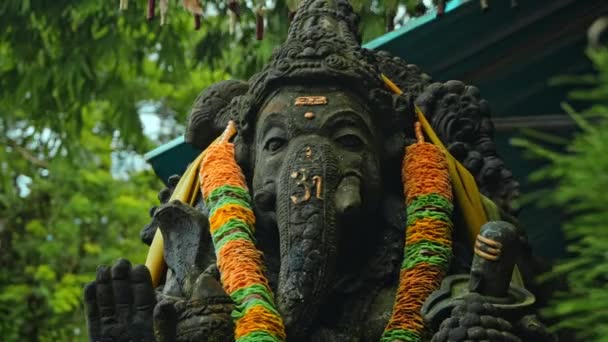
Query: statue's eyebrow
[346, 117]
[274, 119]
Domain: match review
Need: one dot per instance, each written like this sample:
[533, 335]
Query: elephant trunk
[311, 194]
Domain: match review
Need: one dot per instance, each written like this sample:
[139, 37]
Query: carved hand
[120, 303]
[204, 316]
[193, 305]
[121, 307]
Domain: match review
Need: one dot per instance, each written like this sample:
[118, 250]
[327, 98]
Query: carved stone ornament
[311, 101]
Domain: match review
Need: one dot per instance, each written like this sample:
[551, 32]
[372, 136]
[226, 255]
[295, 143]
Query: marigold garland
[428, 244]
[232, 223]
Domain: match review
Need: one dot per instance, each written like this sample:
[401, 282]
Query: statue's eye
[275, 144]
[350, 141]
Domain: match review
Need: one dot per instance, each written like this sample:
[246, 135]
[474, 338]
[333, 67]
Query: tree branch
[27, 155]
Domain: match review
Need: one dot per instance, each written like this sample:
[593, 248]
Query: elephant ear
[461, 119]
[211, 111]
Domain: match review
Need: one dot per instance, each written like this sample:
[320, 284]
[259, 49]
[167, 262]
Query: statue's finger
[121, 289]
[144, 297]
[92, 312]
[165, 322]
[105, 297]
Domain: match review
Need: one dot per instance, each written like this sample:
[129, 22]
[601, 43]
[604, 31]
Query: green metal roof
[171, 158]
[510, 54]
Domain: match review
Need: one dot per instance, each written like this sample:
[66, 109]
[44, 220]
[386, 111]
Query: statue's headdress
[323, 48]
[323, 45]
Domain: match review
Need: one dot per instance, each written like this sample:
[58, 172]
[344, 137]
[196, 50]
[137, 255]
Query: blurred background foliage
[580, 308]
[80, 83]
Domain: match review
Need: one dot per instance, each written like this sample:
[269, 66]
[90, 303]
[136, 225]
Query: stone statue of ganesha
[305, 230]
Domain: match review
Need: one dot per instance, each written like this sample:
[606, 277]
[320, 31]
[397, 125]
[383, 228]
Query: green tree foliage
[57, 57]
[75, 77]
[581, 193]
[73, 216]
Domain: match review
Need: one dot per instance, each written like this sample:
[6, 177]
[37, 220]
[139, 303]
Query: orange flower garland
[428, 244]
[232, 223]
